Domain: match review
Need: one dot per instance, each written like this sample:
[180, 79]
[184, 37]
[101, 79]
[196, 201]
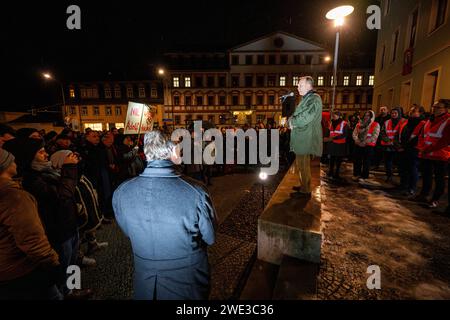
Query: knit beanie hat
[6, 159]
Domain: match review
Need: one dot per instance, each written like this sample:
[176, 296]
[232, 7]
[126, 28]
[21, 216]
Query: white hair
[157, 146]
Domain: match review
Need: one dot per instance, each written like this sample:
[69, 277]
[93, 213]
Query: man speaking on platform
[306, 134]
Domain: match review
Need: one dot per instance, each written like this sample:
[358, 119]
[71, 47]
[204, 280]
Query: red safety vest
[338, 131]
[392, 132]
[432, 133]
[369, 133]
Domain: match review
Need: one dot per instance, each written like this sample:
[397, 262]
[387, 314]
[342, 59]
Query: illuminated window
[320, 81]
[295, 80]
[187, 82]
[371, 80]
[96, 111]
[119, 125]
[118, 111]
[176, 82]
[108, 111]
[282, 81]
[359, 80]
[332, 81]
[72, 93]
[94, 126]
[141, 92]
[84, 111]
[346, 80]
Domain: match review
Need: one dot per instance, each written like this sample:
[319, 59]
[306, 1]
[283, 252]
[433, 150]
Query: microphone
[287, 96]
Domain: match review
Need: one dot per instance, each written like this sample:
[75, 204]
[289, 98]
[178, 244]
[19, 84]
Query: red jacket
[435, 140]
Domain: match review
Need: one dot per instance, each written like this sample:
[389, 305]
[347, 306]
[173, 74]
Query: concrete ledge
[289, 226]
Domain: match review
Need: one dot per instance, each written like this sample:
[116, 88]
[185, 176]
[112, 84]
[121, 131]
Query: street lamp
[263, 177]
[162, 74]
[338, 16]
[48, 76]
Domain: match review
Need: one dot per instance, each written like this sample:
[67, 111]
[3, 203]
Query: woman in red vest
[337, 144]
[390, 139]
[435, 152]
[365, 136]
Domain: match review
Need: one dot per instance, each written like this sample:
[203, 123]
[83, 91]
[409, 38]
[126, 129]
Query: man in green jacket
[306, 134]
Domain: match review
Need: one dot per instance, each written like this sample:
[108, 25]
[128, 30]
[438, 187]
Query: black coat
[56, 201]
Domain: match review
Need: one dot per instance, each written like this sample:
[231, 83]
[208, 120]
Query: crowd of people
[415, 144]
[56, 189]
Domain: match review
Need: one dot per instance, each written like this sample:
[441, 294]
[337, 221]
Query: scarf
[46, 167]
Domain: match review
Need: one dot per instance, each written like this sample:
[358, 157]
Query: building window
[96, 111]
[210, 81]
[260, 81]
[199, 100]
[332, 81]
[395, 45]
[357, 98]
[72, 92]
[83, 93]
[199, 81]
[271, 99]
[295, 80]
[235, 100]
[272, 59]
[359, 80]
[141, 92]
[284, 59]
[249, 81]
[108, 111]
[177, 120]
[248, 100]
[320, 81]
[117, 92]
[84, 111]
[308, 59]
[345, 98]
[346, 80]
[260, 59]
[413, 28]
[248, 60]
[94, 126]
[282, 81]
[176, 100]
[154, 93]
[73, 111]
[130, 92]
[222, 100]
[211, 100]
[176, 82]
[118, 111]
[235, 60]
[235, 81]
[297, 59]
[371, 80]
[188, 100]
[222, 82]
[187, 82]
[383, 55]
[369, 99]
[271, 81]
[387, 7]
[260, 100]
[119, 125]
[438, 14]
[108, 94]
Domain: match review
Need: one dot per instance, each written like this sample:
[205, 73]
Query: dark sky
[124, 36]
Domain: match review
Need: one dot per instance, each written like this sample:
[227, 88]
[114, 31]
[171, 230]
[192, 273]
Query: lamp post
[338, 16]
[162, 73]
[48, 76]
[263, 177]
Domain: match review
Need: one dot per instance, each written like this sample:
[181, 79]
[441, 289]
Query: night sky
[126, 38]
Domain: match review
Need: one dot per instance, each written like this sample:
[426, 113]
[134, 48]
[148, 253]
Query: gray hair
[308, 79]
[157, 146]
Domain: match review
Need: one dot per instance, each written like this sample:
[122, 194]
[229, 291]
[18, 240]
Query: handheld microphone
[287, 96]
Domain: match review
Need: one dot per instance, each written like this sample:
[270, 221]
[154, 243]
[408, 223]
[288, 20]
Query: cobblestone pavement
[364, 227]
[238, 210]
